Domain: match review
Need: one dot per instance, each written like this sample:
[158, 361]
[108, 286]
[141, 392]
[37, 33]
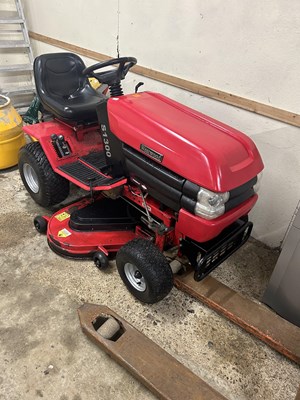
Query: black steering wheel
[114, 75]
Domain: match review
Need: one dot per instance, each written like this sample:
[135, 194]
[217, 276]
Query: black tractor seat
[63, 90]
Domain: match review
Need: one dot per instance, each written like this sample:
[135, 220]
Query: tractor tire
[144, 270]
[46, 187]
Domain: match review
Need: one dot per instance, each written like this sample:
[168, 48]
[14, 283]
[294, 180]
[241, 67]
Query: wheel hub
[138, 275]
[135, 277]
[31, 178]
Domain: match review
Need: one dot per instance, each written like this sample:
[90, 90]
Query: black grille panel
[217, 250]
[157, 171]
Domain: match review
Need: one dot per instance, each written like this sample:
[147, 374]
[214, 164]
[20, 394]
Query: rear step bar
[161, 373]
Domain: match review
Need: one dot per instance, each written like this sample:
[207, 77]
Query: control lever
[63, 145]
[138, 86]
[60, 145]
[144, 194]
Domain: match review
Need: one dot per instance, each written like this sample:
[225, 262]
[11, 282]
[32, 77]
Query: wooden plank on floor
[161, 373]
[298, 394]
[254, 317]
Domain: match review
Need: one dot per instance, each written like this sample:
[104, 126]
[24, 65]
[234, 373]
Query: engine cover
[193, 145]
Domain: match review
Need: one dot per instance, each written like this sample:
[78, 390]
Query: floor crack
[118, 32]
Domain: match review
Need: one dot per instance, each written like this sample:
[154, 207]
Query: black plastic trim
[190, 189]
[158, 171]
[235, 201]
[156, 187]
[112, 146]
[105, 215]
[95, 160]
[243, 188]
[188, 204]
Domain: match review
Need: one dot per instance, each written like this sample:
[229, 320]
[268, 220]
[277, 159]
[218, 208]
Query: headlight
[257, 185]
[210, 204]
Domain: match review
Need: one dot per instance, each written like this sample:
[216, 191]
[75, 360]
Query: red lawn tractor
[159, 176]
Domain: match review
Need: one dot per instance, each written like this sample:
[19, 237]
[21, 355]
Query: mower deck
[82, 228]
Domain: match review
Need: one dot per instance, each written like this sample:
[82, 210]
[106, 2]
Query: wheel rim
[135, 277]
[31, 178]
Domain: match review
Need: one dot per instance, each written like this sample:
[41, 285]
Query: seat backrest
[58, 75]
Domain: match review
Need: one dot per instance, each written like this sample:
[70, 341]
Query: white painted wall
[246, 48]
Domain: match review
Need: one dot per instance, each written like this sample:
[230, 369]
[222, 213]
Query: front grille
[216, 256]
[205, 257]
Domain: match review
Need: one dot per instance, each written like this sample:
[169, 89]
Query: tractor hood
[193, 145]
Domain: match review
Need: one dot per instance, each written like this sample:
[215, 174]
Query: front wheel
[44, 185]
[40, 224]
[100, 260]
[144, 270]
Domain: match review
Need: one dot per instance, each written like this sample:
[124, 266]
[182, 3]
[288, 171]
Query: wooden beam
[255, 318]
[228, 98]
[68, 46]
[161, 373]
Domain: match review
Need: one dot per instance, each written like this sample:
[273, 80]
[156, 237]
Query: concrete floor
[43, 352]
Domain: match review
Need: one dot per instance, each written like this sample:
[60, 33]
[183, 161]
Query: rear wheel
[42, 183]
[144, 270]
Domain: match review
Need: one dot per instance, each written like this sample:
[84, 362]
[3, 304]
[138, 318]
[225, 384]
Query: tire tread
[55, 188]
[155, 265]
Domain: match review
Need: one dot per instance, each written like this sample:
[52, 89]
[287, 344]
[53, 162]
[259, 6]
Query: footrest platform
[87, 172]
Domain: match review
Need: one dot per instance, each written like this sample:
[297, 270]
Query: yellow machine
[11, 134]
